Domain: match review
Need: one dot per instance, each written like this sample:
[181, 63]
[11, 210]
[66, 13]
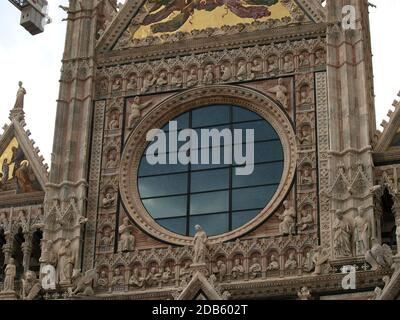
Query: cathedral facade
[317, 217]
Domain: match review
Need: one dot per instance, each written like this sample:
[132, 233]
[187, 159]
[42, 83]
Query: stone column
[26, 248]
[7, 247]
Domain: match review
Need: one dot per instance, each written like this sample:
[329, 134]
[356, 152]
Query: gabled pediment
[142, 23]
[23, 173]
[199, 288]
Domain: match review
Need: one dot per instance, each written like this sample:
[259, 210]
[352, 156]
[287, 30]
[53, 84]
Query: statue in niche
[226, 73]
[342, 235]
[305, 95]
[291, 262]
[30, 286]
[148, 82]
[273, 65]
[208, 77]
[127, 240]
[379, 256]
[19, 102]
[305, 135]
[256, 68]
[287, 226]
[83, 283]
[280, 92]
[23, 221]
[112, 161]
[153, 276]
[221, 270]
[132, 84]
[241, 73]
[320, 261]
[166, 275]
[9, 272]
[117, 84]
[306, 177]
[319, 57]
[288, 65]
[107, 238]
[362, 232]
[48, 255]
[109, 198]
[238, 269]
[114, 121]
[193, 78]
[66, 262]
[199, 245]
[118, 278]
[255, 268]
[102, 281]
[177, 80]
[135, 279]
[185, 273]
[136, 108]
[308, 264]
[304, 60]
[273, 264]
[306, 221]
[162, 79]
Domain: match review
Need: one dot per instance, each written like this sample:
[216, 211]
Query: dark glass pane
[214, 136]
[213, 161]
[209, 202]
[163, 185]
[166, 207]
[241, 114]
[210, 180]
[240, 218]
[269, 173]
[249, 198]
[262, 130]
[177, 225]
[212, 224]
[268, 151]
[183, 122]
[147, 169]
[210, 116]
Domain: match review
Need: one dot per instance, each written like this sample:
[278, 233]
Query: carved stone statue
[287, 225]
[127, 240]
[291, 262]
[193, 78]
[48, 255]
[66, 262]
[256, 68]
[30, 286]
[288, 65]
[238, 269]
[208, 77]
[255, 268]
[273, 264]
[304, 294]
[166, 275]
[9, 273]
[19, 102]
[114, 121]
[320, 260]
[342, 235]
[117, 84]
[319, 57]
[135, 279]
[379, 256]
[162, 79]
[83, 283]
[226, 73]
[199, 245]
[112, 160]
[118, 278]
[305, 95]
[280, 92]
[102, 281]
[308, 264]
[132, 84]
[272, 64]
[362, 232]
[177, 80]
[241, 73]
[304, 60]
[109, 198]
[184, 273]
[306, 177]
[306, 221]
[305, 135]
[221, 270]
[106, 239]
[148, 82]
[136, 110]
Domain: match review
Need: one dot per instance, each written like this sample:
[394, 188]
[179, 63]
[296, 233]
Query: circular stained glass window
[210, 190]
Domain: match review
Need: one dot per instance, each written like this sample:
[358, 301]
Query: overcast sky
[35, 60]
